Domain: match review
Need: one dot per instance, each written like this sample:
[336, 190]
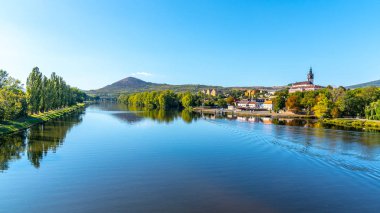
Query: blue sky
[229, 43]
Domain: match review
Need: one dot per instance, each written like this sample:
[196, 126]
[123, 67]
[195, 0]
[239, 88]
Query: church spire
[310, 76]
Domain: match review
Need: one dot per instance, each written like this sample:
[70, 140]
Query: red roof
[302, 83]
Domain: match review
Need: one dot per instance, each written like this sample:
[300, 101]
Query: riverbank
[7, 127]
[251, 113]
[363, 124]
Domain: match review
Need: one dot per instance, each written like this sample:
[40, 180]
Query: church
[305, 85]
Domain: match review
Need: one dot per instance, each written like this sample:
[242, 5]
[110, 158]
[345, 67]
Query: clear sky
[229, 43]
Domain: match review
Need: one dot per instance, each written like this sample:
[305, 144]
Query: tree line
[332, 102]
[168, 100]
[42, 94]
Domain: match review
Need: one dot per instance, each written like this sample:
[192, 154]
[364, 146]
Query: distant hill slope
[127, 84]
[368, 84]
[132, 85]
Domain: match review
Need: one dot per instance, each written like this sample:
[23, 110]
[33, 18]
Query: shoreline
[362, 124]
[349, 123]
[251, 114]
[8, 127]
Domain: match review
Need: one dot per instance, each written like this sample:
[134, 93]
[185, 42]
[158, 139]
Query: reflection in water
[36, 141]
[11, 148]
[133, 161]
[131, 114]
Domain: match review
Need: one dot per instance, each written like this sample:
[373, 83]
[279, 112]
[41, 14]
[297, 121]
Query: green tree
[308, 101]
[372, 112]
[323, 107]
[230, 100]
[3, 77]
[280, 100]
[34, 90]
[187, 100]
[221, 102]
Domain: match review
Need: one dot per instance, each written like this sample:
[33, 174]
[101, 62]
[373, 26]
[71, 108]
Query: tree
[3, 77]
[221, 103]
[323, 107]
[308, 101]
[372, 112]
[187, 100]
[230, 100]
[293, 103]
[280, 100]
[34, 90]
[12, 104]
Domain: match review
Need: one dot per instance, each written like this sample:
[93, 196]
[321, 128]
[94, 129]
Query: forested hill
[368, 84]
[132, 85]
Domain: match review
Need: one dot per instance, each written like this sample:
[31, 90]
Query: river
[110, 159]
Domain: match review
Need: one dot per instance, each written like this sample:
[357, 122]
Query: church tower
[310, 76]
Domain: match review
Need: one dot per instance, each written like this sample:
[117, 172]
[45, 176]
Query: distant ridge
[132, 85]
[368, 84]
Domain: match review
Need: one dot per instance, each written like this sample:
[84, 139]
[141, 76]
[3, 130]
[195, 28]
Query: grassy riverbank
[7, 127]
[362, 124]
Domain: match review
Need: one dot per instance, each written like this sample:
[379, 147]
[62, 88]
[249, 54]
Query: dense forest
[42, 94]
[332, 102]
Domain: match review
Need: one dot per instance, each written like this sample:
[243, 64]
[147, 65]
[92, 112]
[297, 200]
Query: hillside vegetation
[131, 85]
[368, 84]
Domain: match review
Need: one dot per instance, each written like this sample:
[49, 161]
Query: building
[243, 104]
[212, 92]
[231, 107]
[251, 93]
[305, 85]
[268, 105]
[252, 105]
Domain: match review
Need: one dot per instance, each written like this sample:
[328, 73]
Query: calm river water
[109, 159]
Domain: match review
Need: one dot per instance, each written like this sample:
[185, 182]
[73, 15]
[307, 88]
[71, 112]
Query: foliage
[44, 94]
[230, 100]
[187, 100]
[308, 101]
[12, 98]
[12, 104]
[372, 112]
[152, 100]
[293, 103]
[221, 103]
[280, 100]
[169, 99]
[330, 102]
[323, 107]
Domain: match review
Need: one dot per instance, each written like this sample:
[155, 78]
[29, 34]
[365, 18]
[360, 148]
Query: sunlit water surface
[109, 159]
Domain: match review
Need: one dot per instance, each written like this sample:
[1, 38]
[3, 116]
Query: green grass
[7, 127]
[369, 125]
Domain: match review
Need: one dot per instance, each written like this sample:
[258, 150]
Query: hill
[368, 84]
[132, 85]
[127, 84]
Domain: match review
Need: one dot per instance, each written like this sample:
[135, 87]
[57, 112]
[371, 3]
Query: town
[262, 99]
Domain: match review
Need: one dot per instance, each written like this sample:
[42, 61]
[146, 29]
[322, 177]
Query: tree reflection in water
[136, 114]
[36, 141]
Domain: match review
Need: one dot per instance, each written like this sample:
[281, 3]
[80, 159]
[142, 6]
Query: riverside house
[268, 105]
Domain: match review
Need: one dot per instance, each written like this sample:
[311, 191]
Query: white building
[268, 105]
